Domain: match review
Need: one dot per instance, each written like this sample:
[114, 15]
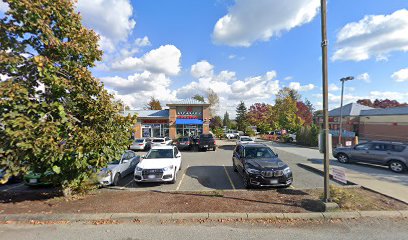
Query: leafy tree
[287, 118]
[56, 116]
[213, 100]
[249, 131]
[378, 103]
[226, 122]
[288, 92]
[153, 104]
[218, 132]
[216, 122]
[241, 118]
[303, 111]
[258, 113]
[120, 105]
[199, 98]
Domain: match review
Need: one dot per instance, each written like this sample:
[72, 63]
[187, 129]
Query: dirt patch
[282, 200]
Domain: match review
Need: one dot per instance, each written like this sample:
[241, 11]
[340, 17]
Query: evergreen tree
[226, 121]
[241, 116]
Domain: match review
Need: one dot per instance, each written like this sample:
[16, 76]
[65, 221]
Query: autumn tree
[199, 98]
[304, 112]
[260, 115]
[153, 104]
[286, 113]
[379, 103]
[56, 116]
[241, 119]
[213, 100]
[216, 122]
[288, 92]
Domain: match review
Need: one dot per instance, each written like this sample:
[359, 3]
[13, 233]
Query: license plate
[151, 176]
[33, 180]
[274, 181]
[205, 145]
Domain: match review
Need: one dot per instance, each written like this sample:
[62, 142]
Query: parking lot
[209, 170]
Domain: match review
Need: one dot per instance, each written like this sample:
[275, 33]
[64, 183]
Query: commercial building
[389, 124]
[183, 118]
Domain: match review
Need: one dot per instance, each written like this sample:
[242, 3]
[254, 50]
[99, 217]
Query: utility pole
[325, 102]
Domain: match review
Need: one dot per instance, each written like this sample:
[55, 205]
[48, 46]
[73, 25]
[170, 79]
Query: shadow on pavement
[29, 194]
[227, 147]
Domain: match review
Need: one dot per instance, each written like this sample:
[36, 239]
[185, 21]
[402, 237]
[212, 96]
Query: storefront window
[189, 130]
[155, 130]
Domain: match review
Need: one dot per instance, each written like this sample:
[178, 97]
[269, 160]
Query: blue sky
[248, 50]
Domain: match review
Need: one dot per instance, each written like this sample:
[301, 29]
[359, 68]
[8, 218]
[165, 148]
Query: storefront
[185, 118]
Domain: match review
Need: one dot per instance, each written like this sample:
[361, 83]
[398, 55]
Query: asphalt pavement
[351, 229]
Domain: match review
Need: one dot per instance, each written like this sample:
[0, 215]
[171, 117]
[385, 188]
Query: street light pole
[325, 102]
[339, 144]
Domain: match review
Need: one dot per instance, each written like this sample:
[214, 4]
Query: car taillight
[140, 144]
[198, 142]
[188, 143]
[214, 141]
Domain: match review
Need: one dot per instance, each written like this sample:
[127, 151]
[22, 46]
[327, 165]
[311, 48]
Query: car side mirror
[125, 161]
[276, 155]
[178, 155]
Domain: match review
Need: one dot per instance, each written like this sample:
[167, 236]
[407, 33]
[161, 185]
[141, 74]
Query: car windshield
[259, 152]
[246, 139]
[158, 140]
[139, 140]
[160, 153]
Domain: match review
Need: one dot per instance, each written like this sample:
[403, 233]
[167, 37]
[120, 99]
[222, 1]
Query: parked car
[245, 139]
[40, 179]
[161, 164]
[231, 134]
[116, 170]
[168, 140]
[158, 142]
[206, 141]
[185, 143]
[140, 144]
[258, 165]
[392, 154]
[291, 137]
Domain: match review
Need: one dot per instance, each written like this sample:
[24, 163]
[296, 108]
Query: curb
[203, 216]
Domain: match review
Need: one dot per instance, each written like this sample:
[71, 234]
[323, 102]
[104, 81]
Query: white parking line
[181, 180]
[19, 185]
[229, 178]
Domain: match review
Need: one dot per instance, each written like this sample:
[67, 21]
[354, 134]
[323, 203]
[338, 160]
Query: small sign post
[340, 175]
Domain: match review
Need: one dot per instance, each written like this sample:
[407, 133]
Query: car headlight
[139, 169]
[106, 173]
[286, 171]
[253, 171]
[168, 168]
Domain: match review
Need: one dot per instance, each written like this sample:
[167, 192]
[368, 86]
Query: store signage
[340, 175]
[187, 117]
[188, 113]
[147, 121]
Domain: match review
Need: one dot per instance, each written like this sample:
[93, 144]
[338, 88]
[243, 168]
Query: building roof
[148, 113]
[385, 111]
[189, 102]
[351, 109]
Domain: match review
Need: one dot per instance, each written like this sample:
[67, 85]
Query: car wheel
[247, 184]
[174, 177]
[214, 148]
[290, 140]
[343, 158]
[116, 179]
[397, 166]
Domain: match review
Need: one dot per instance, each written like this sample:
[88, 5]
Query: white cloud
[364, 77]
[229, 89]
[142, 42]
[401, 75]
[135, 90]
[165, 59]
[298, 87]
[288, 78]
[247, 22]
[373, 36]
[232, 56]
[333, 87]
[110, 18]
[3, 6]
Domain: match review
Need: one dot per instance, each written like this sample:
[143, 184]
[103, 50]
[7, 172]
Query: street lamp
[342, 80]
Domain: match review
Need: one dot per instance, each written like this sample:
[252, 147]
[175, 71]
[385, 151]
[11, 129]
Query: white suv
[161, 164]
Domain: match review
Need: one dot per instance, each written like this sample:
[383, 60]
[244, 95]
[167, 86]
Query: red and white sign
[147, 121]
[339, 174]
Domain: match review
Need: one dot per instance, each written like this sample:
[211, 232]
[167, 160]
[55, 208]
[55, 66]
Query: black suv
[206, 141]
[185, 143]
[260, 166]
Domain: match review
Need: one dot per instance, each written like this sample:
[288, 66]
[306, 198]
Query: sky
[247, 50]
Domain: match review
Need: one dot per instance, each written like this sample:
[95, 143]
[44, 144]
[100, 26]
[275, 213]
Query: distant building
[371, 123]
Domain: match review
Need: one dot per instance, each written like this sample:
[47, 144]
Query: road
[351, 229]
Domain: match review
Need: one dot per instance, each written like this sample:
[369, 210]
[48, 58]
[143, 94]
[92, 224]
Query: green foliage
[250, 132]
[71, 127]
[342, 196]
[308, 135]
[286, 117]
[226, 121]
[216, 122]
[199, 98]
[241, 118]
[218, 132]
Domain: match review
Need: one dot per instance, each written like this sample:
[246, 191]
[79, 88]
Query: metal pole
[340, 144]
[325, 101]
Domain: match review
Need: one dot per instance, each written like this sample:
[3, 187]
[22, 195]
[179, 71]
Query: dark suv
[260, 166]
[206, 141]
[185, 143]
[392, 154]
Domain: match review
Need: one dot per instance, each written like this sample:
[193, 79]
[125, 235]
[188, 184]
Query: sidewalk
[377, 179]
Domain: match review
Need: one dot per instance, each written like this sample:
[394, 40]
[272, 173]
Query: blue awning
[189, 121]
